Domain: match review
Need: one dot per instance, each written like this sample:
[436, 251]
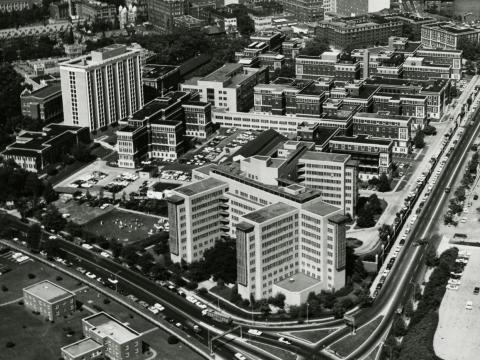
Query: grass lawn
[224, 291]
[345, 346]
[18, 278]
[80, 213]
[65, 172]
[35, 338]
[131, 232]
[275, 351]
[95, 300]
[313, 336]
[158, 341]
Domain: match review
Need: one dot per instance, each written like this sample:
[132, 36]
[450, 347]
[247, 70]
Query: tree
[53, 219]
[430, 130]
[338, 310]
[48, 193]
[116, 247]
[81, 152]
[51, 248]
[34, 235]
[418, 140]
[221, 260]
[431, 256]
[365, 219]
[146, 262]
[278, 300]
[398, 327]
[315, 47]
[384, 183]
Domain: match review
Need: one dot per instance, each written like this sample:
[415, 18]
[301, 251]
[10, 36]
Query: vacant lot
[125, 226]
[32, 336]
[15, 280]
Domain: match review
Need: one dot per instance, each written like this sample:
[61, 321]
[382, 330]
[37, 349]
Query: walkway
[11, 302]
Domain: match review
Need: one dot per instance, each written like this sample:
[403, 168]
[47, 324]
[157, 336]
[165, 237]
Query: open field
[18, 278]
[126, 226]
[165, 351]
[80, 213]
[35, 338]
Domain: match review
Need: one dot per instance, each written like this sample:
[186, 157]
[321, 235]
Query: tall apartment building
[101, 88]
[360, 7]
[358, 32]
[334, 175]
[50, 300]
[229, 87]
[385, 125]
[283, 229]
[44, 104]
[304, 10]
[154, 131]
[162, 12]
[198, 218]
[448, 35]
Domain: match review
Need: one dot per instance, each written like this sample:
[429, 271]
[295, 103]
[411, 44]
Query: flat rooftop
[223, 73]
[154, 71]
[297, 282]
[383, 116]
[321, 156]
[199, 186]
[362, 139]
[46, 91]
[48, 291]
[106, 326]
[321, 208]
[269, 212]
[81, 347]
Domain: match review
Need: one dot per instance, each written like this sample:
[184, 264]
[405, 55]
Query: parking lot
[458, 330]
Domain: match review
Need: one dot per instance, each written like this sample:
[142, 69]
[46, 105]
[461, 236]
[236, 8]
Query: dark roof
[263, 144]
[46, 91]
[155, 71]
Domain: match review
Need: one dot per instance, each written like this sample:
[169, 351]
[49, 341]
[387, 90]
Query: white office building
[102, 87]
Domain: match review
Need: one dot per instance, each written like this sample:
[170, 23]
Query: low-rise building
[229, 87]
[35, 150]
[385, 125]
[448, 35]
[155, 131]
[410, 105]
[374, 155]
[330, 63]
[44, 104]
[82, 350]
[159, 80]
[93, 10]
[419, 68]
[50, 300]
[119, 341]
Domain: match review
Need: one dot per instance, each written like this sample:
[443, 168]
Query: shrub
[31, 276]
[106, 301]
[9, 344]
[59, 278]
[20, 303]
[203, 291]
[172, 340]
[4, 288]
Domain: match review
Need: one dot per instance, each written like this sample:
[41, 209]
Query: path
[11, 302]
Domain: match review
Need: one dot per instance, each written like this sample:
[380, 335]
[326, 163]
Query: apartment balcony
[224, 206]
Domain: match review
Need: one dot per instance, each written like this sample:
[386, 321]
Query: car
[81, 270]
[91, 275]
[454, 281]
[105, 254]
[464, 220]
[413, 219]
[379, 286]
[201, 305]
[283, 340]
[191, 299]
[240, 356]
[159, 307]
[452, 287]
[469, 305]
[386, 272]
[255, 332]
[179, 325]
[382, 279]
[153, 310]
[132, 297]
[476, 290]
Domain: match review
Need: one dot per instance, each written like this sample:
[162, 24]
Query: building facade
[91, 10]
[161, 13]
[101, 88]
[35, 150]
[44, 104]
[448, 35]
[50, 300]
[304, 10]
[360, 7]
[229, 87]
[198, 218]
